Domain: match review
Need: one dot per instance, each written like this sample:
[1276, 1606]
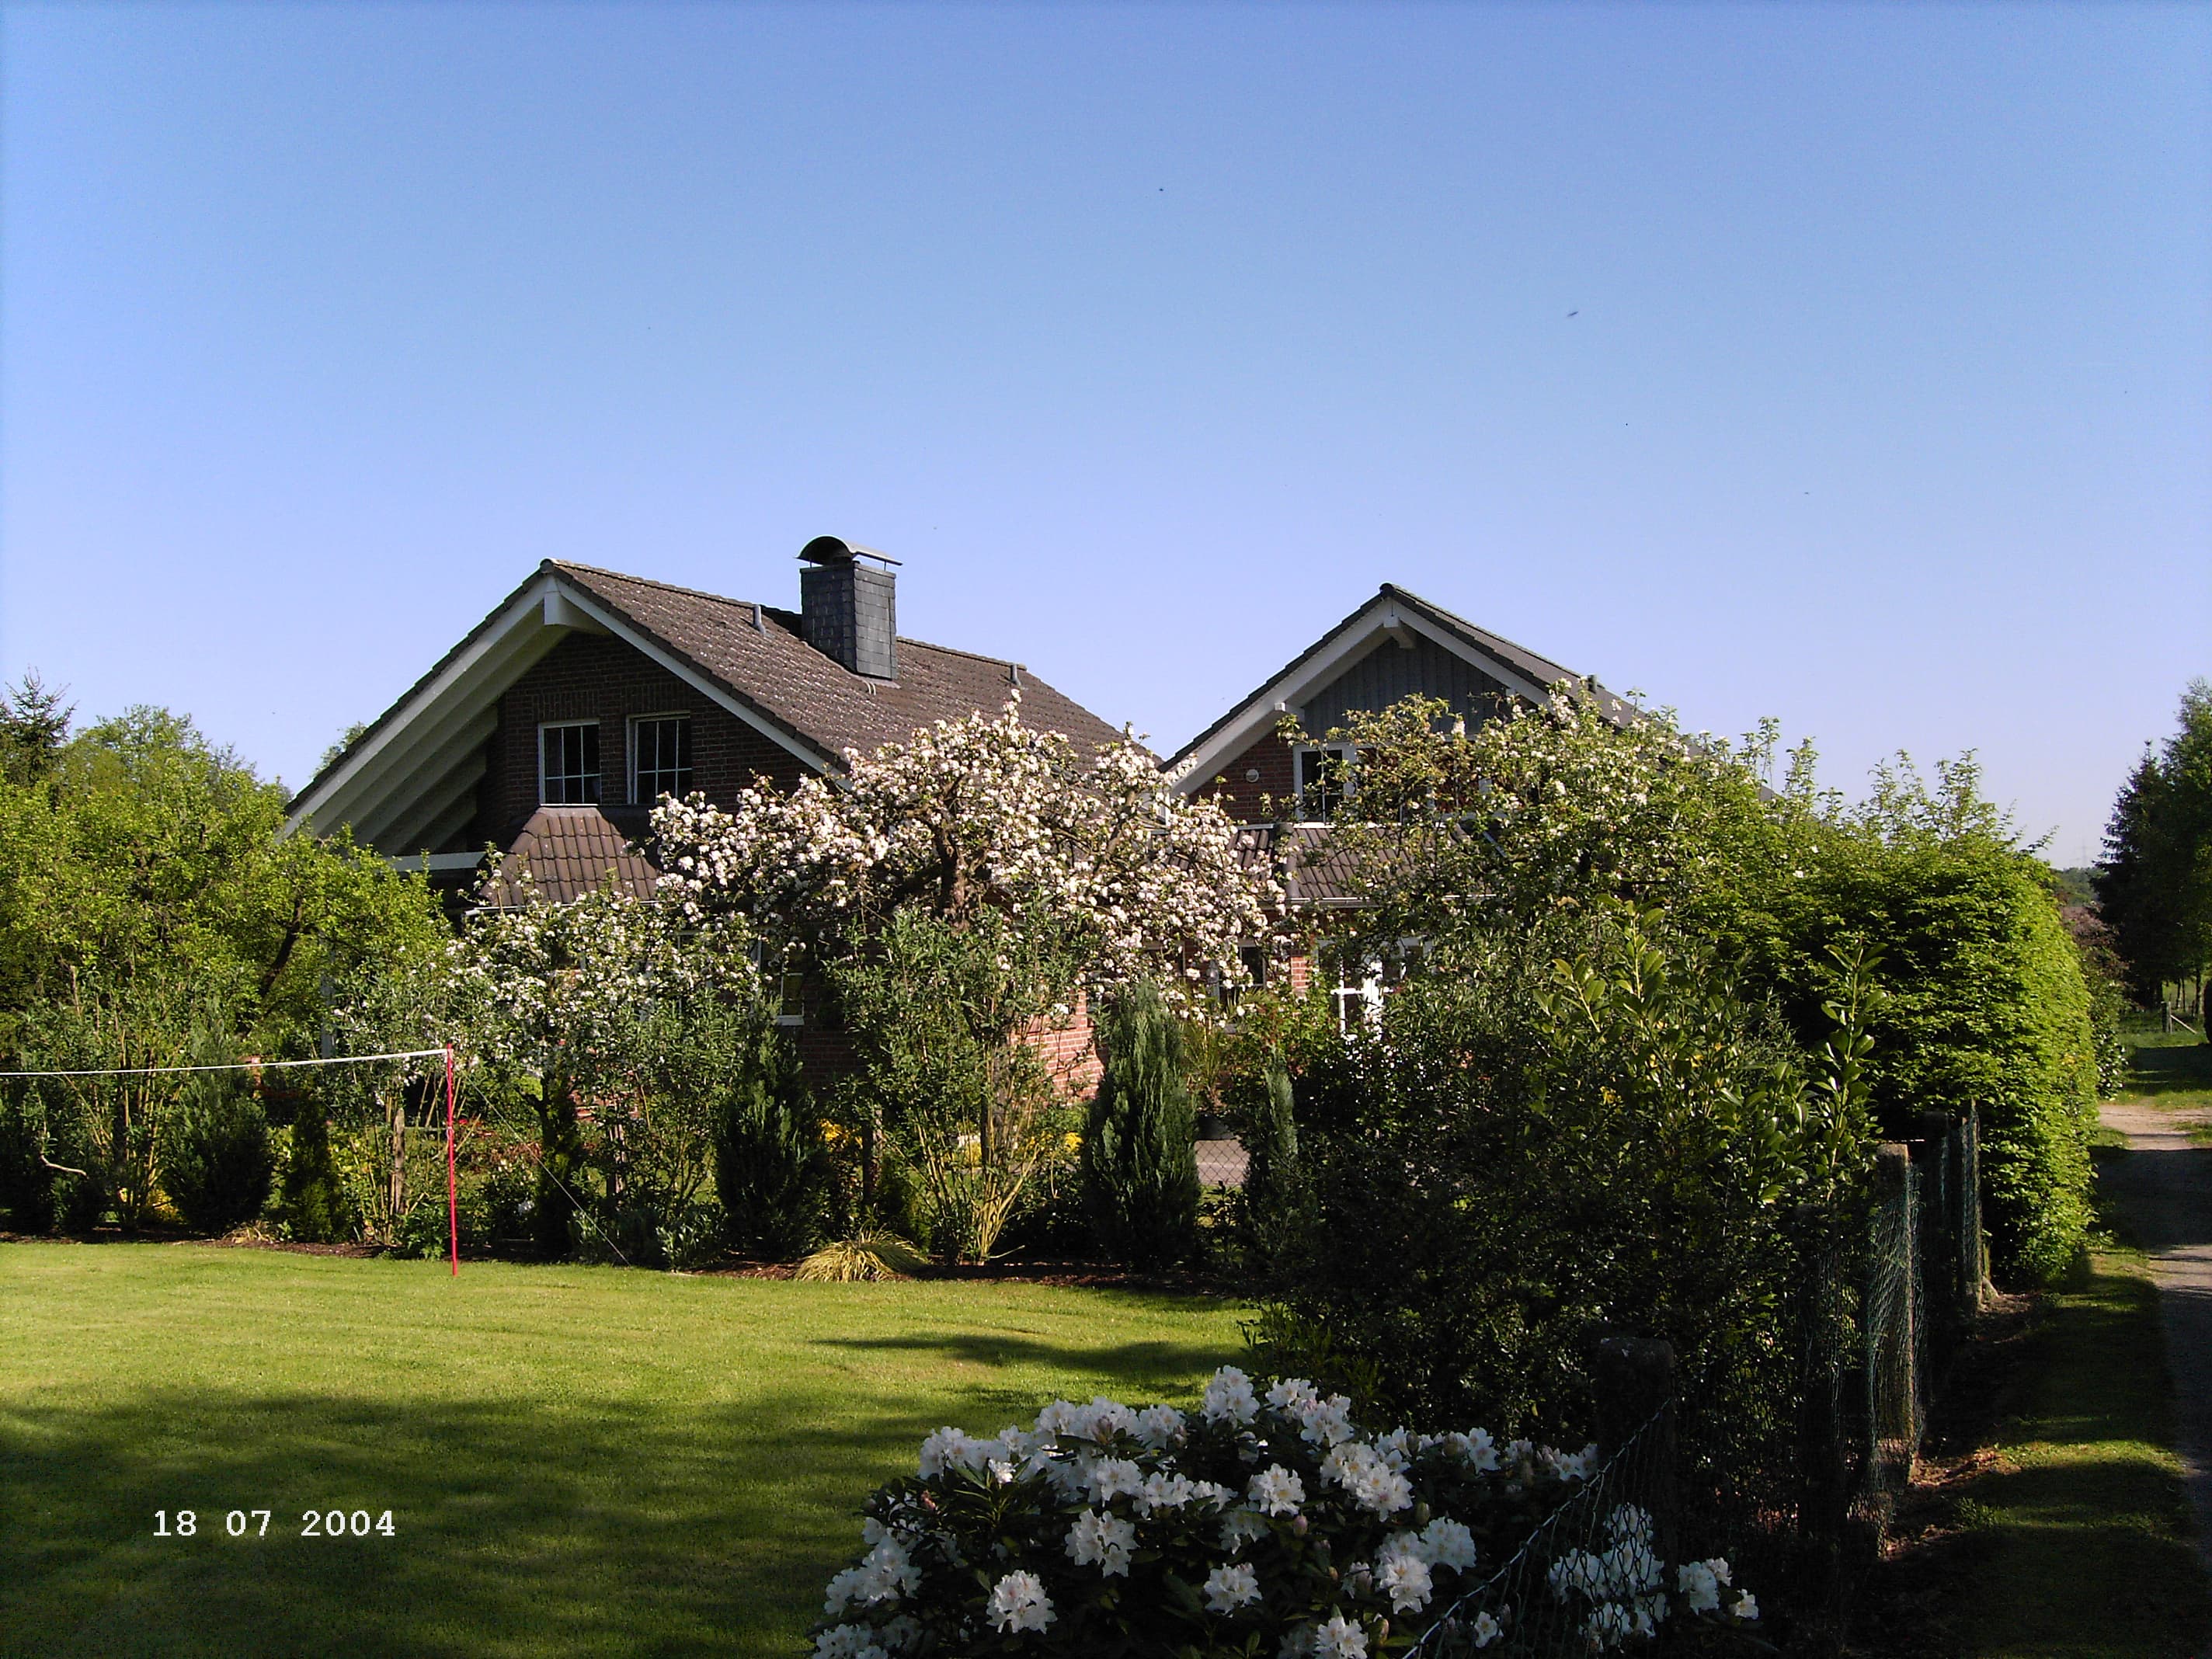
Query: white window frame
[790, 988]
[1347, 754]
[600, 776]
[636, 720]
[1365, 993]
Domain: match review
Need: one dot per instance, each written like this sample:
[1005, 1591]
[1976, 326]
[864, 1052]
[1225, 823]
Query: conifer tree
[1141, 1148]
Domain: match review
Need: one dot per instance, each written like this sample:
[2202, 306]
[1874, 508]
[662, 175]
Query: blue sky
[1848, 365]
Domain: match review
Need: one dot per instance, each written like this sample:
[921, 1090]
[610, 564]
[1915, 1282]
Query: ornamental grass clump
[1262, 1523]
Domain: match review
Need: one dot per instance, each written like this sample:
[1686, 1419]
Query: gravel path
[2164, 1190]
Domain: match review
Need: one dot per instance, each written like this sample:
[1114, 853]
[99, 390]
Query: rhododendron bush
[1266, 1523]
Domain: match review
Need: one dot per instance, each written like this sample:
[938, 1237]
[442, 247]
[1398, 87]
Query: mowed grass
[2077, 1537]
[578, 1461]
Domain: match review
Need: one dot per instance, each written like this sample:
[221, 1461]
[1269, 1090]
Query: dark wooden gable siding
[598, 677]
[1391, 671]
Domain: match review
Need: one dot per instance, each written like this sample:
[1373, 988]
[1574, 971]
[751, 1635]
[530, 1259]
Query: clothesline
[238, 1066]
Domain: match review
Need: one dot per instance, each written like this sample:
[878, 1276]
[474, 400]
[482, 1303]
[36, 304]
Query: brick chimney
[848, 610]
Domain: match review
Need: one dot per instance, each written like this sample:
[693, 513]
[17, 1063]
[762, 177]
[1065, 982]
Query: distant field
[577, 1461]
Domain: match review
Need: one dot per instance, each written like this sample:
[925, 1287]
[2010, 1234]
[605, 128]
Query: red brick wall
[594, 676]
[1240, 796]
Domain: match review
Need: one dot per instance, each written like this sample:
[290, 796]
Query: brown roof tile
[570, 851]
[809, 695]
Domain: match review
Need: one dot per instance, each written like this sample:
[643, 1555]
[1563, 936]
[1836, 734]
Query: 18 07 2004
[254, 1524]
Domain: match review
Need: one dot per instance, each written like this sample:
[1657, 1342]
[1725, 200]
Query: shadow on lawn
[2169, 1069]
[581, 1528]
[1132, 1366]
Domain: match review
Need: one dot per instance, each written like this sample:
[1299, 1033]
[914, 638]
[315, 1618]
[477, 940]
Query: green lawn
[578, 1461]
[2078, 1541]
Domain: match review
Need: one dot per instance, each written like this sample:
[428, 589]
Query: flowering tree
[565, 992]
[974, 819]
[960, 888]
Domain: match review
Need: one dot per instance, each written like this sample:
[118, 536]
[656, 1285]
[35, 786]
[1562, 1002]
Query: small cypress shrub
[1140, 1162]
[215, 1158]
[315, 1203]
[768, 1157]
[1270, 1171]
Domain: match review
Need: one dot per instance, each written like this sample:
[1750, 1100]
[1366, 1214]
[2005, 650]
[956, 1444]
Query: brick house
[551, 729]
[1396, 645]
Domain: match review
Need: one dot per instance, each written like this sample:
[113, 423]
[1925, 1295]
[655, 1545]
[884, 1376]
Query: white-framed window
[1323, 773]
[569, 763]
[659, 758]
[1357, 992]
[790, 984]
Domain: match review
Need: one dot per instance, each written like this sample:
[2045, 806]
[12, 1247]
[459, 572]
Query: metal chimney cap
[831, 549]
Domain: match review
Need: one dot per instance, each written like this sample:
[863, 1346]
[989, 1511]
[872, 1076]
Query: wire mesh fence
[1221, 1163]
[1592, 1577]
[1793, 1482]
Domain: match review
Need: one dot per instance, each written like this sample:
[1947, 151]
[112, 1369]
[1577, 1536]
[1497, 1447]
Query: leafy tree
[1464, 838]
[2154, 883]
[143, 851]
[1140, 1148]
[934, 1010]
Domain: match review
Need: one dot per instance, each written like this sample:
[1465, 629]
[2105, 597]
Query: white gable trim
[581, 604]
[428, 750]
[1383, 620]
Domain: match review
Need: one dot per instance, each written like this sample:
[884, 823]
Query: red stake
[452, 1190]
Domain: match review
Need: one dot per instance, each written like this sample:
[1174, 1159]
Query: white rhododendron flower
[1700, 1586]
[1160, 1427]
[1448, 1543]
[1339, 1638]
[1114, 1477]
[1230, 1587]
[1474, 1449]
[883, 1574]
[1102, 1542]
[1239, 1528]
[1747, 1607]
[1229, 1398]
[1370, 1482]
[952, 1449]
[1019, 1602]
[1276, 1491]
[1402, 1574]
[847, 1642]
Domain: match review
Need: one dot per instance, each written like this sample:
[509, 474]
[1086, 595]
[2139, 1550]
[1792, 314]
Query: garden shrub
[1140, 1159]
[1259, 1524]
[1984, 1004]
[768, 1158]
[313, 1202]
[1587, 1125]
[215, 1154]
[945, 1085]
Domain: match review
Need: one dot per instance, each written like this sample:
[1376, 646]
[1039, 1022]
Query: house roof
[812, 696]
[406, 782]
[1393, 612]
[567, 851]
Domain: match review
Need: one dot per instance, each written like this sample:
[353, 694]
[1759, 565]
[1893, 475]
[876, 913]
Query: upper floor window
[569, 763]
[1324, 779]
[661, 758]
